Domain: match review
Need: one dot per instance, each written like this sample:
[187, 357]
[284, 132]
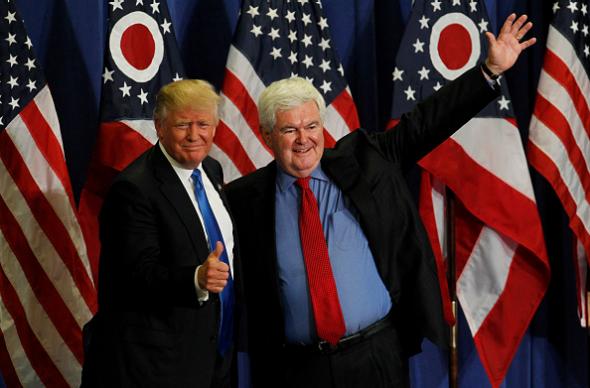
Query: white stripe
[50, 185]
[44, 102]
[241, 67]
[484, 276]
[582, 282]
[552, 147]
[38, 320]
[557, 95]
[230, 171]
[144, 127]
[495, 144]
[42, 248]
[438, 206]
[335, 124]
[23, 368]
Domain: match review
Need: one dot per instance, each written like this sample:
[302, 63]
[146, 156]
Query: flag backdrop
[502, 269]
[46, 288]
[559, 137]
[274, 40]
[141, 56]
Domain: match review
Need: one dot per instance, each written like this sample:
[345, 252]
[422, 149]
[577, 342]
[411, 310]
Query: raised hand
[504, 50]
[213, 274]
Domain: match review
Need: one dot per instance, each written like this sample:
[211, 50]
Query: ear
[158, 125]
[266, 136]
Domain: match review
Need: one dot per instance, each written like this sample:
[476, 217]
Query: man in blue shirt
[378, 259]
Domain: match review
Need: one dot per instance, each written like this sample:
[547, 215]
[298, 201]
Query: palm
[504, 50]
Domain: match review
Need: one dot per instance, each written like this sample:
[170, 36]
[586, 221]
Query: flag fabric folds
[502, 270]
[559, 137]
[46, 289]
[141, 56]
[273, 40]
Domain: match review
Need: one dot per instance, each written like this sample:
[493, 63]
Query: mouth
[301, 150]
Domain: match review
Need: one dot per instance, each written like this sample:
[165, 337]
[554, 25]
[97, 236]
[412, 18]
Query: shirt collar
[284, 180]
[182, 172]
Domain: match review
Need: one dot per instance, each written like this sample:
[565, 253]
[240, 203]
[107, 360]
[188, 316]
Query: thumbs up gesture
[213, 274]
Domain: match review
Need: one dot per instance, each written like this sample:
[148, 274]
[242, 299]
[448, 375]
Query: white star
[253, 11]
[138, 2]
[309, 79]
[573, 6]
[290, 16]
[326, 87]
[306, 19]
[306, 40]
[585, 30]
[302, 2]
[292, 36]
[177, 77]
[31, 85]
[142, 96]
[125, 89]
[555, 7]
[274, 33]
[586, 50]
[293, 75]
[11, 39]
[323, 23]
[13, 82]
[584, 9]
[325, 66]
[155, 9]
[1, 122]
[574, 27]
[107, 75]
[319, 3]
[166, 26]
[11, 60]
[503, 102]
[423, 73]
[473, 6]
[483, 25]
[276, 53]
[424, 22]
[324, 44]
[28, 43]
[418, 46]
[410, 93]
[456, 2]
[116, 4]
[10, 17]
[437, 86]
[13, 103]
[397, 74]
[435, 5]
[256, 30]
[30, 64]
[308, 61]
[293, 57]
[272, 13]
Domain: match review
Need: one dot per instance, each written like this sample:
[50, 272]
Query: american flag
[502, 270]
[559, 136]
[141, 57]
[273, 40]
[46, 288]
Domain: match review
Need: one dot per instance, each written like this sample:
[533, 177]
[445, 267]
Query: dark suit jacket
[368, 168]
[150, 330]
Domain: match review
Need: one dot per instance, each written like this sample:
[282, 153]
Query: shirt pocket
[345, 233]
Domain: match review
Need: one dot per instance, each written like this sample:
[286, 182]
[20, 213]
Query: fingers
[528, 43]
[516, 26]
[214, 273]
[507, 26]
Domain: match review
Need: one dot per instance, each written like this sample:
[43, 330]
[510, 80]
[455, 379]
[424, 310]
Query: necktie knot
[303, 182]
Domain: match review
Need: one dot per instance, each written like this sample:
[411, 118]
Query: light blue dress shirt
[363, 296]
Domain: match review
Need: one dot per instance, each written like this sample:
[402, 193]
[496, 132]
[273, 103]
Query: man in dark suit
[167, 263]
[340, 282]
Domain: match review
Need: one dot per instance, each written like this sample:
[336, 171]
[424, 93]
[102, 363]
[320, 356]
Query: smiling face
[297, 139]
[187, 135]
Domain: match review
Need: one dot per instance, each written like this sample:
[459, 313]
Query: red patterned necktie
[322, 288]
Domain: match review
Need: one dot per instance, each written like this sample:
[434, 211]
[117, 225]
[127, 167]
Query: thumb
[491, 38]
[218, 250]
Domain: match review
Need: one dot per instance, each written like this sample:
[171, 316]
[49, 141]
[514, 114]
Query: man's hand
[213, 274]
[504, 50]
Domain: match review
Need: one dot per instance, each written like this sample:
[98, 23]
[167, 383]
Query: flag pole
[450, 245]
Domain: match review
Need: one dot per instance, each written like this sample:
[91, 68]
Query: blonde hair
[189, 93]
[286, 94]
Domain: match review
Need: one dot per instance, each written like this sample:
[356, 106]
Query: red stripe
[344, 104]
[236, 92]
[550, 171]
[49, 221]
[8, 373]
[486, 196]
[48, 145]
[38, 357]
[391, 124]
[498, 338]
[555, 67]
[229, 143]
[118, 145]
[554, 119]
[41, 285]
[329, 141]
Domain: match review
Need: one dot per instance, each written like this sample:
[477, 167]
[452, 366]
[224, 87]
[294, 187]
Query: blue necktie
[214, 234]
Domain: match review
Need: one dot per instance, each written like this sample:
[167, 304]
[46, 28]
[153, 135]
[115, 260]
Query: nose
[192, 132]
[302, 135]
